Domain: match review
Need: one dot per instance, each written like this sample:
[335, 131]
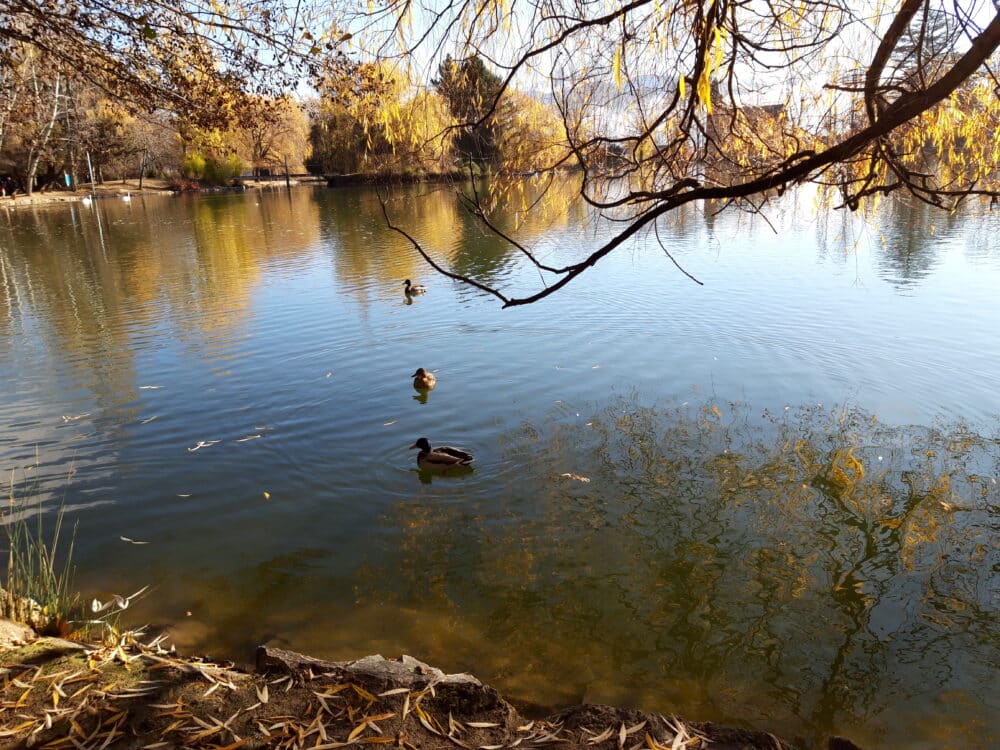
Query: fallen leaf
[598, 739]
[203, 444]
[267, 495]
[130, 541]
[386, 424]
[395, 691]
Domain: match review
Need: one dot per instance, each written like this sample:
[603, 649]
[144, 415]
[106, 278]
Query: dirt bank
[130, 694]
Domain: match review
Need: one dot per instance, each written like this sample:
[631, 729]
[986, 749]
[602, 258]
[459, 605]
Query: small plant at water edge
[37, 587]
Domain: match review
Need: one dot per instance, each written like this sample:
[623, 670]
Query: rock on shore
[134, 694]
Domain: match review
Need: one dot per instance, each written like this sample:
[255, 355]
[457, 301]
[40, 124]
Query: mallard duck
[411, 289]
[444, 457]
[423, 380]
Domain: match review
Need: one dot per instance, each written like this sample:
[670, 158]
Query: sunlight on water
[771, 499]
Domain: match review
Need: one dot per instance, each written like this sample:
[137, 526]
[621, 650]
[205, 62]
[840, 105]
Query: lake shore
[135, 692]
[118, 190]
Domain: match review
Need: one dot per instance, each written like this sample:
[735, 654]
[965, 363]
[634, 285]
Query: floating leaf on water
[131, 541]
[329, 374]
[203, 444]
[150, 387]
[576, 477]
[386, 424]
[73, 419]
[249, 437]
[267, 495]
[184, 496]
[148, 420]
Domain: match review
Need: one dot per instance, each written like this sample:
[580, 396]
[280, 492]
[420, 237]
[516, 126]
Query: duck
[423, 380]
[443, 458]
[411, 289]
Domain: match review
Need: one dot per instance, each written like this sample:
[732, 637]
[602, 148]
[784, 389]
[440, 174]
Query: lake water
[768, 500]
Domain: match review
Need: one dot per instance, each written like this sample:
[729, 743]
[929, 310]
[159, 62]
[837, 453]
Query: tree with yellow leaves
[376, 121]
[273, 134]
[668, 102]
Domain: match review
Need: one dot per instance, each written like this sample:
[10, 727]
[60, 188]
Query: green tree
[471, 90]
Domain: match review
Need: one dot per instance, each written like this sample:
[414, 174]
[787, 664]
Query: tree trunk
[35, 155]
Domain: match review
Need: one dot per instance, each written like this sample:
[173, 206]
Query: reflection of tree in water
[367, 250]
[809, 571]
[912, 240]
[88, 282]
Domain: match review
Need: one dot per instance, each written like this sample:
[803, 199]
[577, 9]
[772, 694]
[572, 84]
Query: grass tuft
[38, 585]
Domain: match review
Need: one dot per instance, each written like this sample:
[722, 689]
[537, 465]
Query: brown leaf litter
[57, 695]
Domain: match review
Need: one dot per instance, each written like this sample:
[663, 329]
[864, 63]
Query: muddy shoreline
[132, 691]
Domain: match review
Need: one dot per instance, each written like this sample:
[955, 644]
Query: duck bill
[414, 446]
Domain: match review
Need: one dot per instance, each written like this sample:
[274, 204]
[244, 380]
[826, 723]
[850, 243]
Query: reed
[38, 585]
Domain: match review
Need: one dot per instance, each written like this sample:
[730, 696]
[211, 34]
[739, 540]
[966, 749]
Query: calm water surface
[792, 508]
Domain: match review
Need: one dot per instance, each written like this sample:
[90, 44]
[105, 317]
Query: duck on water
[410, 289]
[442, 458]
[423, 380]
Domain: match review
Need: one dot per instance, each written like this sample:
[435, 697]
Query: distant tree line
[58, 129]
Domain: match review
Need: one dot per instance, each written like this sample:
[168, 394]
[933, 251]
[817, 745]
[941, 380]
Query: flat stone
[15, 633]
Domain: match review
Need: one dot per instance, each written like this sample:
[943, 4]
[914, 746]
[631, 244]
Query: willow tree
[665, 102]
